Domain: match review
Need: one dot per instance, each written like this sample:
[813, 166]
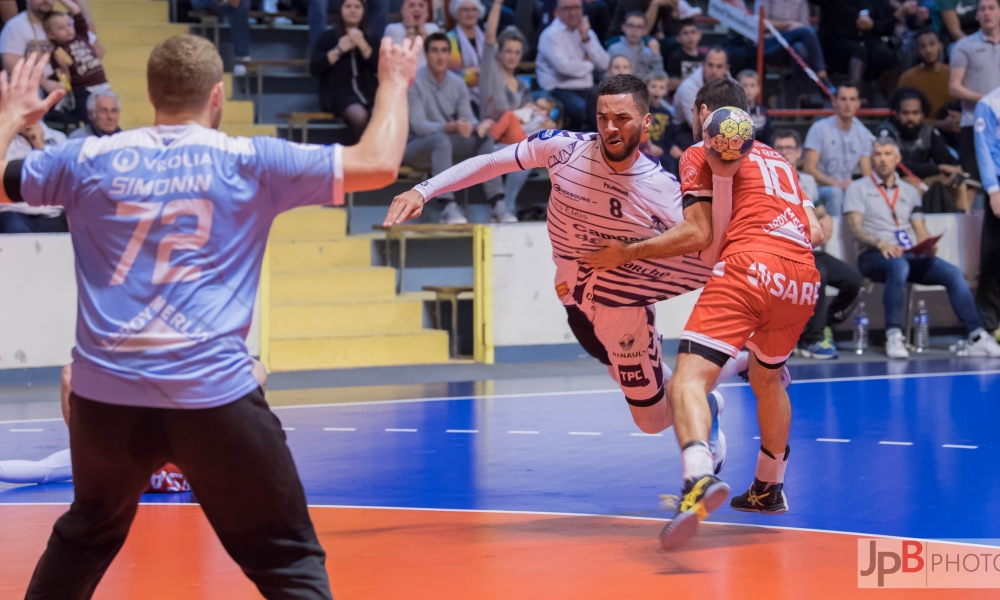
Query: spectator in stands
[764, 129]
[931, 75]
[103, 112]
[851, 34]
[415, 23]
[974, 73]
[443, 128]
[644, 57]
[716, 66]
[19, 217]
[958, 18]
[661, 17]
[885, 217]
[912, 17]
[686, 59]
[75, 58]
[817, 338]
[345, 60]
[658, 142]
[835, 147]
[988, 153]
[377, 12]
[568, 55]
[924, 153]
[237, 14]
[467, 43]
[791, 19]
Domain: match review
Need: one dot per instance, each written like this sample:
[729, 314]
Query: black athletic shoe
[699, 498]
[767, 498]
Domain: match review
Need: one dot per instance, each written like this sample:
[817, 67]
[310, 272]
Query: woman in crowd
[414, 15]
[345, 59]
[467, 43]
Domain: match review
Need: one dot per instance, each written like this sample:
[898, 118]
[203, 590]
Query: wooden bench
[267, 19]
[256, 68]
[418, 231]
[208, 22]
[450, 294]
[303, 120]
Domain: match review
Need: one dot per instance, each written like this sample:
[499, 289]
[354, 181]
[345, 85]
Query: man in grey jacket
[443, 128]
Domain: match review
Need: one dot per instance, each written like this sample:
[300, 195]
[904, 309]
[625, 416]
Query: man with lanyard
[884, 214]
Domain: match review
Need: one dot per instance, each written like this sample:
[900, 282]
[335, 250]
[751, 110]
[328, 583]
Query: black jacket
[924, 152]
[352, 75]
[839, 19]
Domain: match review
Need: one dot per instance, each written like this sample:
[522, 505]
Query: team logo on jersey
[563, 191]
[126, 160]
[980, 124]
[689, 175]
[548, 133]
[563, 157]
[615, 188]
[626, 342]
[562, 288]
[804, 293]
[632, 376]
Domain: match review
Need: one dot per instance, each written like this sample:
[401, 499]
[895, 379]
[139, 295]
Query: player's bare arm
[373, 162]
[816, 232]
[20, 105]
[864, 236]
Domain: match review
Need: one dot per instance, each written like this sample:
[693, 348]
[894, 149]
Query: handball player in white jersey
[603, 188]
[169, 228]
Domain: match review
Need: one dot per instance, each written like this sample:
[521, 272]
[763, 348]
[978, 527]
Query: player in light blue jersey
[987, 132]
[169, 225]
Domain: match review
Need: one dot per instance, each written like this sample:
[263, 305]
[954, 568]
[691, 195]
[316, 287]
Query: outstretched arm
[374, 161]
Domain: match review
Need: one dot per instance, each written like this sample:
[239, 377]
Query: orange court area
[172, 553]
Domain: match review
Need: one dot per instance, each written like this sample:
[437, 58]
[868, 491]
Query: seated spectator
[74, 56]
[851, 35]
[568, 55]
[237, 14]
[835, 147]
[958, 18]
[661, 16]
[443, 128]
[683, 61]
[377, 12]
[345, 60]
[885, 217]
[931, 75]
[103, 113]
[619, 65]
[912, 17]
[791, 19]
[974, 74]
[415, 23]
[988, 153]
[817, 338]
[25, 33]
[658, 143]
[467, 43]
[763, 128]
[930, 164]
[716, 66]
[645, 58]
[19, 217]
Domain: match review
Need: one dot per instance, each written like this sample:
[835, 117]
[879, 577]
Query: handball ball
[728, 133]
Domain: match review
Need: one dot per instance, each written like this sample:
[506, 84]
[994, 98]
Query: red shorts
[758, 300]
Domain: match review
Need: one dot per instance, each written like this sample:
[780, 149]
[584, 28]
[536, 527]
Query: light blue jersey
[987, 128]
[169, 227]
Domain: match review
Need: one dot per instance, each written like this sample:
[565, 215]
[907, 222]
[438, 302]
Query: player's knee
[651, 416]
[897, 270]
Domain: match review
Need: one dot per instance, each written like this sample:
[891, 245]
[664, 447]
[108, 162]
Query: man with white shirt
[19, 217]
[568, 54]
[716, 66]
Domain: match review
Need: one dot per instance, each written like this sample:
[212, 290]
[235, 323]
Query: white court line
[395, 430]
[646, 434]
[30, 421]
[887, 443]
[836, 440]
[756, 437]
[521, 432]
[288, 428]
[26, 430]
[339, 429]
[461, 431]
[585, 433]
[959, 446]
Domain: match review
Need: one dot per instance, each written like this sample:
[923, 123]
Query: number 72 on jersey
[147, 214]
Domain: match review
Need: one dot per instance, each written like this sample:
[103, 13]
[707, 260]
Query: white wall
[38, 302]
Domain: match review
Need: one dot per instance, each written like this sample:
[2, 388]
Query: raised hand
[405, 206]
[397, 63]
[19, 100]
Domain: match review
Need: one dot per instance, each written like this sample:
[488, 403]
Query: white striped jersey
[590, 201]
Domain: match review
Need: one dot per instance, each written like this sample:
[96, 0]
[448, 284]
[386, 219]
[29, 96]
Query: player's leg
[114, 450]
[240, 468]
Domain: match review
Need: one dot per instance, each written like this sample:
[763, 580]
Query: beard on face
[629, 146]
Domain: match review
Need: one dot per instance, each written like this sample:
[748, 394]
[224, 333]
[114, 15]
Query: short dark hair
[927, 31]
[721, 92]
[908, 93]
[789, 133]
[634, 13]
[437, 36]
[847, 85]
[627, 84]
[51, 15]
[685, 23]
[718, 49]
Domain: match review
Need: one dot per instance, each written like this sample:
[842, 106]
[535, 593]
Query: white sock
[893, 332]
[697, 461]
[732, 367]
[55, 467]
[771, 469]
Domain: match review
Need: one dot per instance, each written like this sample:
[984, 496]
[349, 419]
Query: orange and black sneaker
[762, 497]
[699, 499]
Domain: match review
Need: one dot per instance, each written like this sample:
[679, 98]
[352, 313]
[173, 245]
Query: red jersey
[768, 213]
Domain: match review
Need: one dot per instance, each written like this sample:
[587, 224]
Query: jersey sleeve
[545, 149]
[987, 146]
[696, 175]
[49, 177]
[300, 174]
